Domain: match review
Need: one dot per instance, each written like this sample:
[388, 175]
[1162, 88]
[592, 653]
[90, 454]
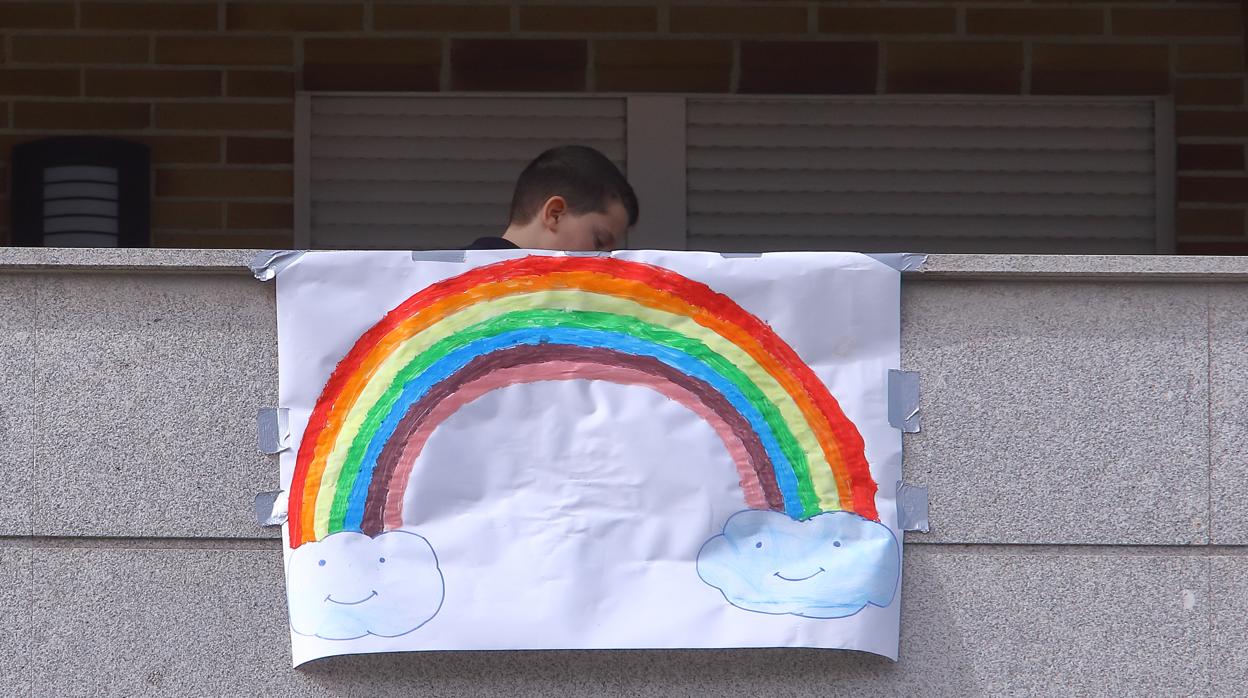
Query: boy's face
[585, 231]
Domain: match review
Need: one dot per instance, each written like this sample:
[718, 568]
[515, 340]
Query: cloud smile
[861, 557]
[398, 568]
[349, 603]
[799, 579]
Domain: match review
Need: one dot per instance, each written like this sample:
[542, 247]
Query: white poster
[526, 450]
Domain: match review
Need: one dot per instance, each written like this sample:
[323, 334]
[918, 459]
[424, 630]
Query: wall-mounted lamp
[81, 191]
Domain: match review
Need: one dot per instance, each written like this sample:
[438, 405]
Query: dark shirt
[492, 243]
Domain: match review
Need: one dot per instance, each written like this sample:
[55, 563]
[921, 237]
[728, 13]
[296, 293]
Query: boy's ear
[554, 209]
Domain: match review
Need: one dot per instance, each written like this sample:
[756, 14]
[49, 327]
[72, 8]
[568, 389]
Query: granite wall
[1084, 432]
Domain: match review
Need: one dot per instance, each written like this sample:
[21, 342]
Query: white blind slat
[902, 113]
[915, 227]
[506, 108]
[922, 181]
[919, 139]
[486, 128]
[1001, 160]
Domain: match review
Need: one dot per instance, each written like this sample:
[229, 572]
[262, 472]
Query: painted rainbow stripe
[554, 318]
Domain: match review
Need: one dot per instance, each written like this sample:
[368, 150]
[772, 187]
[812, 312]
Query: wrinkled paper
[592, 500]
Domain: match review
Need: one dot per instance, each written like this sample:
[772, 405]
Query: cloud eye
[321, 563]
[758, 544]
[836, 544]
[382, 559]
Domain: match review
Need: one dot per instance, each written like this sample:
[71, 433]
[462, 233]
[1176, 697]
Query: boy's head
[571, 198]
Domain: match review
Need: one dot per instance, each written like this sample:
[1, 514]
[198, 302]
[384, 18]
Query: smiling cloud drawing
[351, 585]
[829, 566]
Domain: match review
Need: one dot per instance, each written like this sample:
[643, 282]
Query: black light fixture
[81, 191]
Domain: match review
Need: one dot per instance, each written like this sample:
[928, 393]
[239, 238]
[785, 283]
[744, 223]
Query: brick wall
[210, 85]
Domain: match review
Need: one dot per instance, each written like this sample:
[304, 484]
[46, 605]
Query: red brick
[1210, 156]
[1211, 123]
[44, 83]
[80, 116]
[1209, 91]
[372, 64]
[992, 68]
[1047, 21]
[7, 142]
[373, 51]
[518, 64]
[1090, 69]
[157, 16]
[808, 67]
[888, 20]
[224, 50]
[241, 150]
[282, 16]
[243, 241]
[379, 77]
[186, 215]
[1187, 21]
[1228, 247]
[441, 18]
[259, 83]
[663, 65]
[726, 19]
[216, 183]
[586, 19]
[153, 83]
[1209, 221]
[182, 149]
[1211, 189]
[1211, 58]
[80, 49]
[239, 116]
[249, 216]
[36, 15]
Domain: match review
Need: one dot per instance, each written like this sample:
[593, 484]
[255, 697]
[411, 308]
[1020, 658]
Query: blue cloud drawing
[348, 585]
[829, 566]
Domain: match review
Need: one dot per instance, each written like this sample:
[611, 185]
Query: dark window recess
[81, 191]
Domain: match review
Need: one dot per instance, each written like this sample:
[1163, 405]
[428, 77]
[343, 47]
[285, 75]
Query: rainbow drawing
[542, 318]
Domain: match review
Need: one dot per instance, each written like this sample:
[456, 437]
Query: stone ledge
[938, 266]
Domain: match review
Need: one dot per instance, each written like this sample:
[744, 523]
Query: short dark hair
[583, 176]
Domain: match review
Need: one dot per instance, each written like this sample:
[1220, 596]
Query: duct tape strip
[268, 264]
[903, 400]
[901, 261]
[737, 255]
[912, 508]
[454, 256]
[271, 508]
[273, 429]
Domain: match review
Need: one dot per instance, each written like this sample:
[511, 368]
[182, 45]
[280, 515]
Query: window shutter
[411, 172]
[928, 173]
[938, 175]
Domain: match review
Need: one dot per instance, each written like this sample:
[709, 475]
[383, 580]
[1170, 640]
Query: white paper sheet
[584, 505]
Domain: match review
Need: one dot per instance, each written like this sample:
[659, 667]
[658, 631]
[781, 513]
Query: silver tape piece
[737, 255]
[903, 400]
[912, 508]
[454, 256]
[271, 508]
[901, 261]
[267, 264]
[273, 429]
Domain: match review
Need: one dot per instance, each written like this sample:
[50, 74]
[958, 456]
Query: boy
[569, 198]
